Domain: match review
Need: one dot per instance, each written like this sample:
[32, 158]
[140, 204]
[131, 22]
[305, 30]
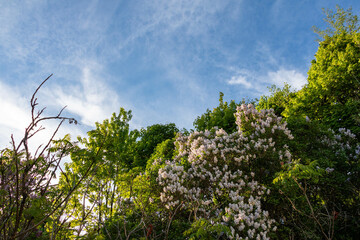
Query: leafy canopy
[331, 95]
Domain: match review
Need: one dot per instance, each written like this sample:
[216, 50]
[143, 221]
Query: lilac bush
[213, 176]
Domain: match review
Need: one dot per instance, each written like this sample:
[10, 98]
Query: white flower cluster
[262, 127]
[260, 121]
[206, 179]
[218, 194]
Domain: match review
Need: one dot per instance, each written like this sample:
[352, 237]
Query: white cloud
[15, 116]
[294, 78]
[13, 108]
[239, 80]
[92, 99]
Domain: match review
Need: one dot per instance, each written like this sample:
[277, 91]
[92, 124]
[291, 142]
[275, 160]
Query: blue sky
[165, 60]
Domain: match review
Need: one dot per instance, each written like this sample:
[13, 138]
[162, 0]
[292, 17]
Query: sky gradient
[165, 60]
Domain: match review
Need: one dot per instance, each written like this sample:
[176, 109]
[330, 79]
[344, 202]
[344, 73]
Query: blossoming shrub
[217, 176]
[266, 138]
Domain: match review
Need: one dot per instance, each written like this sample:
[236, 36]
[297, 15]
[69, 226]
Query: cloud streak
[92, 100]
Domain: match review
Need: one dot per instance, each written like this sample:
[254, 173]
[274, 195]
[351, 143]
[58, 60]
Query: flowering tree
[216, 177]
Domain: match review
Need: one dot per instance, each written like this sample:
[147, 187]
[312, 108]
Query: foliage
[343, 21]
[150, 138]
[136, 215]
[278, 99]
[220, 117]
[204, 229]
[116, 141]
[332, 93]
[323, 186]
[221, 178]
[97, 198]
[163, 151]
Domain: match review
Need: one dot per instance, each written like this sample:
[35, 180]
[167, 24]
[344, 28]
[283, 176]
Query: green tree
[332, 93]
[164, 151]
[97, 199]
[150, 138]
[278, 99]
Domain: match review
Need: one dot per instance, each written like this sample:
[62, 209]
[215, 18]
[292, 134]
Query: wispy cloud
[175, 37]
[91, 99]
[15, 115]
[45, 36]
[163, 59]
[270, 68]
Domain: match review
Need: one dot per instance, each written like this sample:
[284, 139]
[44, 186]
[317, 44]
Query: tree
[332, 93]
[340, 22]
[320, 188]
[150, 138]
[278, 99]
[97, 198]
[30, 201]
[219, 181]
